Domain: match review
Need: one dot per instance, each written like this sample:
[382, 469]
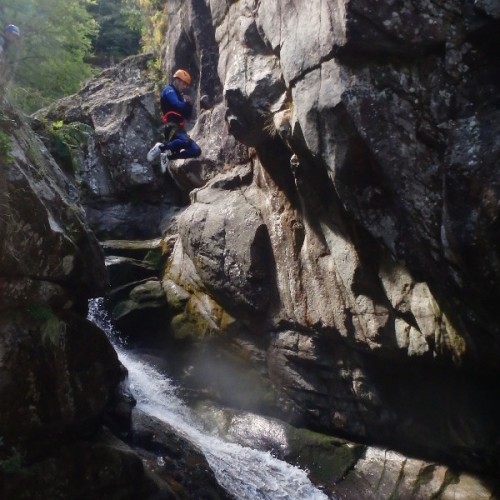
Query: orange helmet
[183, 75]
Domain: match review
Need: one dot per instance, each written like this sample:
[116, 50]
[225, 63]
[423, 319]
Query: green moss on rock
[327, 458]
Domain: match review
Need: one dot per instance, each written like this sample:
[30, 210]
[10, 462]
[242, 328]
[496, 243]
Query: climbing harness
[173, 122]
[172, 117]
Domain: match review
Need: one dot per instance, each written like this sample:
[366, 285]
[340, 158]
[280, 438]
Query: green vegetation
[49, 60]
[328, 459]
[5, 148]
[119, 34]
[12, 464]
[155, 258]
[64, 41]
[66, 140]
[52, 328]
[154, 14]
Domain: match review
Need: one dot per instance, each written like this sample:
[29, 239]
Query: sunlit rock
[379, 202]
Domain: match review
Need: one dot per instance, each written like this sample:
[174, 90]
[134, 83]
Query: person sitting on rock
[176, 108]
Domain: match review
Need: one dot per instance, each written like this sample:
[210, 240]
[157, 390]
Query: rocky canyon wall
[58, 372]
[338, 237]
[356, 241]
[64, 411]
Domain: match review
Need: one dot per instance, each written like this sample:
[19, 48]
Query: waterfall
[244, 472]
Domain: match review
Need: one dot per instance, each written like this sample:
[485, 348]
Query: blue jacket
[172, 100]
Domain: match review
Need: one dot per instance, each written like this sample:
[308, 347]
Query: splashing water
[244, 472]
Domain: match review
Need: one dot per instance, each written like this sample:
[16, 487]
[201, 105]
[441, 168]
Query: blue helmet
[12, 28]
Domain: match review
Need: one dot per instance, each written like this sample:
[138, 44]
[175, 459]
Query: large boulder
[124, 195]
[46, 246]
[341, 468]
[58, 372]
[227, 240]
[99, 467]
[373, 180]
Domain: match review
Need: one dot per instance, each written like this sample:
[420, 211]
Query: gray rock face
[373, 135]
[381, 473]
[124, 195]
[58, 372]
[227, 240]
[118, 163]
[46, 244]
[60, 378]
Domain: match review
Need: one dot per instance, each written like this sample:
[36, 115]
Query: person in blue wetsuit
[176, 108]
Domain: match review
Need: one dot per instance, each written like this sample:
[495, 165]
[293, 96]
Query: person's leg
[178, 142]
[182, 146]
[191, 151]
[155, 151]
[169, 134]
[161, 147]
[176, 145]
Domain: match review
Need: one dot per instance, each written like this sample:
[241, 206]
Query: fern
[67, 139]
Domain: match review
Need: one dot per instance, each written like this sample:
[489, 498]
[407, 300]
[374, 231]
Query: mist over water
[246, 473]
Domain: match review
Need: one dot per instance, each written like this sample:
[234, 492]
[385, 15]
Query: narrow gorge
[321, 283]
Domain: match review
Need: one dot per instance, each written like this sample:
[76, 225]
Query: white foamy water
[246, 473]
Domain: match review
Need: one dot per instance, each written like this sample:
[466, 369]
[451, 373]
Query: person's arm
[171, 101]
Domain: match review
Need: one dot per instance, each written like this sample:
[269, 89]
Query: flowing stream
[244, 472]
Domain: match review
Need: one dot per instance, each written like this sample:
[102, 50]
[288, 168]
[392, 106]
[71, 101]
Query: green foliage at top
[119, 35]
[154, 22]
[49, 60]
[62, 42]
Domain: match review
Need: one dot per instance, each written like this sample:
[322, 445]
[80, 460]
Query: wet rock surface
[58, 372]
[174, 459]
[60, 378]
